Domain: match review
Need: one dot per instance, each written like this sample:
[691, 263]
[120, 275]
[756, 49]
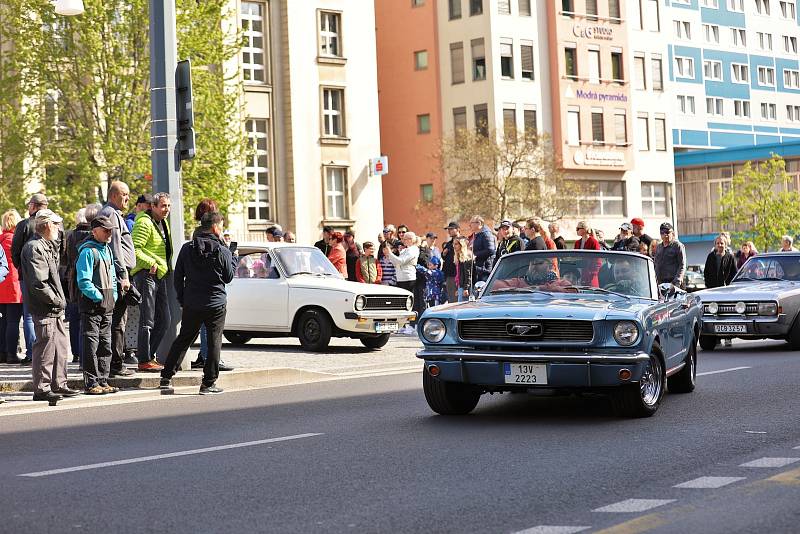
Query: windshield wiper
[519, 290]
[300, 272]
[601, 290]
[746, 278]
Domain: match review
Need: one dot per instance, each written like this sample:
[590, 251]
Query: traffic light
[185, 111]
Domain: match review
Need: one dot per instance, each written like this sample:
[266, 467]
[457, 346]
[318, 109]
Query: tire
[643, 398]
[794, 335]
[684, 380]
[314, 330]
[375, 342]
[708, 343]
[237, 338]
[449, 398]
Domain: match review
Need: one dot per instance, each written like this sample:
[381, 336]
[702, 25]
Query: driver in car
[540, 273]
[625, 280]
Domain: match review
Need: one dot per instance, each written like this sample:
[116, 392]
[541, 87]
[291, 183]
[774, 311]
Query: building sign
[601, 97]
[379, 166]
[602, 33]
[599, 158]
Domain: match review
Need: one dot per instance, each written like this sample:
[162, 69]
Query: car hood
[591, 308]
[329, 283]
[767, 290]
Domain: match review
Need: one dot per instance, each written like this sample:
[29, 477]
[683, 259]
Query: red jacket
[9, 289]
[590, 272]
[338, 258]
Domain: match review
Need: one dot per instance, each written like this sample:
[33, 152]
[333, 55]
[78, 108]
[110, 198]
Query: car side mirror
[479, 286]
[666, 290]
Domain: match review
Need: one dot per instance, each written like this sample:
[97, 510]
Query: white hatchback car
[289, 290]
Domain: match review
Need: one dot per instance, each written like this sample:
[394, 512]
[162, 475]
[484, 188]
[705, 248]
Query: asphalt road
[367, 455]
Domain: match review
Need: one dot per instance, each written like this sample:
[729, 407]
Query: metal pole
[163, 138]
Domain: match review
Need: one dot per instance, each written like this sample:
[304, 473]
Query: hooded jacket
[203, 268]
[96, 277]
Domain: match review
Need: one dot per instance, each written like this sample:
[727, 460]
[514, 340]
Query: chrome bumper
[583, 357]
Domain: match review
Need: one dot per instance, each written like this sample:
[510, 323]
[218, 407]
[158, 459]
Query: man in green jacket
[152, 274]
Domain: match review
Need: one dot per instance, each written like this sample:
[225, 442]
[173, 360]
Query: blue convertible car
[564, 321]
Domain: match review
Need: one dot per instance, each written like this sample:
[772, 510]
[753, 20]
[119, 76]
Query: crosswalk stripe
[633, 505]
[770, 462]
[708, 482]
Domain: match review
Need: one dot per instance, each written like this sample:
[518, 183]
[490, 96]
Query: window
[766, 76]
[526, 58]
[604, 198]
[642, 132]
[660, 124]
[787, 10]
[424, 123]
[506, 59]
[254, 49]
[257, 170]
[789, 44]
[525, 8]
[573, 127]
[332, 108]
[652, 20]
[329, 35]
[591, 9]
[684, 67]
[478, 60]
[639, 73]
[568, 7]
[712, 70]
[598, 131]
[793, 113]
[620, 128]
[457, 62]
[454, 9]
[710, 3]
[711, 33]
[764, 40]
[426, 193]
[510, 122]
[791, 79]
[738, 37]
[421, 60]
[459, 119]
[614, 11]
[686, 104]
[504, 7]
[417, 3]
[762, 7]
[654, 199]
[481, 119]
[616, 66]
[658, 73]
[741, 108]
[740, 73]
[475, 7]
[594, 66]
[571, 62]
[769, 112]
[529, 121]
[714, 106]
[736, 5]
[335, 193]
[683, 29]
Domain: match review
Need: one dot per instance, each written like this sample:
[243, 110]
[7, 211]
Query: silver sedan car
[762, 302]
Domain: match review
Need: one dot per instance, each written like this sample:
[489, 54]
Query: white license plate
[525, 373]
[730, 328]
[383, 328]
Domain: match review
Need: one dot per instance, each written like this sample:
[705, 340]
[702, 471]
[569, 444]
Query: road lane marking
[722, 371]
[708, 482]
[633, 505]
[163, 456]
[552, 529]
[797, 448]
[641, 524]
[770, 462]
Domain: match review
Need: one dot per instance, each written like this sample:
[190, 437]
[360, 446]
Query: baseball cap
[582, 224]
[226, 232]
[638, 221]
[431, 235]
[101, 221]
[626, 226]
[47, 215]
[277, 233]
[452, 226]
[666, 228]
[435, 261]
[38, 199]
[387, 230]
[504, 222]
[144, 198]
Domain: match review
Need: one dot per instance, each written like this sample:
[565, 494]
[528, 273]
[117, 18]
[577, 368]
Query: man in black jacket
[508, 241]
[448, 263]
[205, 265]
[720, 265]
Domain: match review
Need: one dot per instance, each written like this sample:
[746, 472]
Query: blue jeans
[461, 297]
[9, 328]
[154, 316]
[27, 326]
[74, 318]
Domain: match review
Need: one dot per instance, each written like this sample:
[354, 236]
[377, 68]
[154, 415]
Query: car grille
[386, 303]
[547, 330]
[729, 308]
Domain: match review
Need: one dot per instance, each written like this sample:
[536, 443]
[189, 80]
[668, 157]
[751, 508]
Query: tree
[506, 176]
[760, 204]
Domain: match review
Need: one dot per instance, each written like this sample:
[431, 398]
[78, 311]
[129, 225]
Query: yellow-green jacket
[149, 245]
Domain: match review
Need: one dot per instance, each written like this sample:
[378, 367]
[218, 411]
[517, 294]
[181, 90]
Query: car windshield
[305, 260]
[602, 273]
[771, 268]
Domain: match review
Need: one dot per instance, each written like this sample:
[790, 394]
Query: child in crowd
[434, 281]
[368, 268]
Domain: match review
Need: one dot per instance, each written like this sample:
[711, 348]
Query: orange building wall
[404, 93]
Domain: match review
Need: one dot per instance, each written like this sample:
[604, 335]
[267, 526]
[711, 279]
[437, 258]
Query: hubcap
[311, 331]
[650, 384]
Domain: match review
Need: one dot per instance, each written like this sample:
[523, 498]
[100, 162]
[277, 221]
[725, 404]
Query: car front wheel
[708, 343]
[314, 330]
[794, 335]
[684, 380]
[375, 342]
[644, 398]
[237, 338]
[449, 398]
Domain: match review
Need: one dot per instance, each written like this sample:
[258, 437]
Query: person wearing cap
[431, 238]
[626, 240]
[448, 262]
[508, 241]
[637, 223]
[670, 257]
[388, 234]
[434, 281]
[322, 244]
[143, 203]
[39, 263]
[483, 246]
[97, 283]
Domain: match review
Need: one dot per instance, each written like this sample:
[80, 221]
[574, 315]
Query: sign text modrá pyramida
[601, 97]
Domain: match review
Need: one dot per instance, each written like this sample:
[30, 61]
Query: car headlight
[434, 330]
[626, 333]
[360, 303]
[740, 307]
[768, 308]
[713, 308]
[409, 303]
